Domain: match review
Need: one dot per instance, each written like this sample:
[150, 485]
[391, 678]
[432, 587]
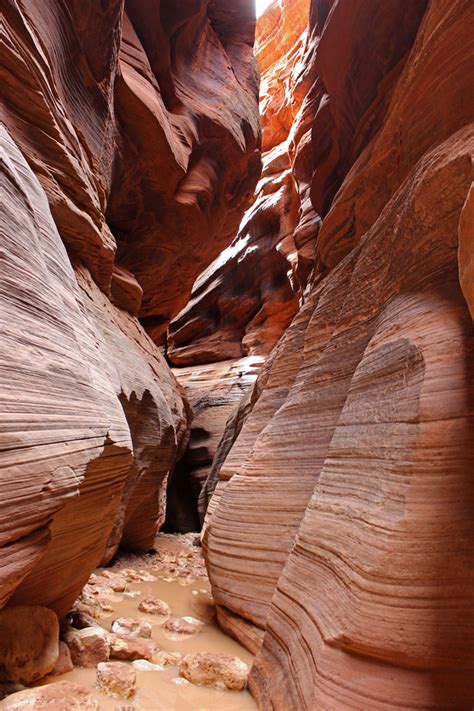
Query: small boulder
[118, 583]
[60, 696]
[132, 628]
[154, 606]
[183, 625]
[88, 646]
[167, 659]
[218, 670]
[138, 576]
[130, 648]
[80, 619]
[116, 679]
[144, 665]
[64, 663]
[29, 643]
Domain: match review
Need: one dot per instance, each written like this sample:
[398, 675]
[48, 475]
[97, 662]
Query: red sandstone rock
[345, 480]
[243, 302]
[154, 606]
[167, 659]
[76, 439]
[130, 648]
[29, 639]
[116, 121]
[466, 250]
[60, 696]
[64, 662]
[116, 679]
[218, 670]
[132, 628]
[191, 89]
[213, 391]
[182, 625]
[93, 91]
[88, 646]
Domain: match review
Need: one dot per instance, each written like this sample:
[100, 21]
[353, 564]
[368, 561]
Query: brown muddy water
[188, 596]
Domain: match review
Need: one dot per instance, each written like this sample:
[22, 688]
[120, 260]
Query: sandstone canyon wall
[129, 149]
[242, 303]
[339, 500]
[339, 536]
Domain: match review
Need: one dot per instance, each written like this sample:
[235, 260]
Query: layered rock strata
[128, 130]
[339, 533]
[213, 391]
[81, 469]
[242, 304]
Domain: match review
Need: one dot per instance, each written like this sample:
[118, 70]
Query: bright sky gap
[261, 6]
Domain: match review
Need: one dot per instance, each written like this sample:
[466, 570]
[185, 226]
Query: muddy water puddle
[163, 689]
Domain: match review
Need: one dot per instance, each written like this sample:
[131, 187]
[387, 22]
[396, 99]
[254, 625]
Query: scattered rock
[80, 619]
[116, 679]
[138, 576]
[60, 696]
[219, 670]
[101, 592]
[94, 580]
[88, 646]
[167, 659]
[132, 593]
[64, 663]
[183, 625]
[145, 665]
[154, 606]
[118, 583]
[129, 648]
[29, 637]
[132, 628]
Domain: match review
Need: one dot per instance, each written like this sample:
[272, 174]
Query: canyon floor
[176, 575]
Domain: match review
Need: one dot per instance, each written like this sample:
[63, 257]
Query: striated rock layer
[128, 130]
[241, 305]
[244, 301]
[213, 391]
[339, 536]
[81, 469]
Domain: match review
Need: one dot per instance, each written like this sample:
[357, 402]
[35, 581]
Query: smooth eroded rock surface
[127, 131]
[244, 301]
[213, 392]
[29, 643]
[338, 533]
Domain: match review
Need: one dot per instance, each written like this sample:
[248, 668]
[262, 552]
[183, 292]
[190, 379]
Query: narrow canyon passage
[237, 355]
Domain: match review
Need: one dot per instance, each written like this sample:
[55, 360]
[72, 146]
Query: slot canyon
[237, 355]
